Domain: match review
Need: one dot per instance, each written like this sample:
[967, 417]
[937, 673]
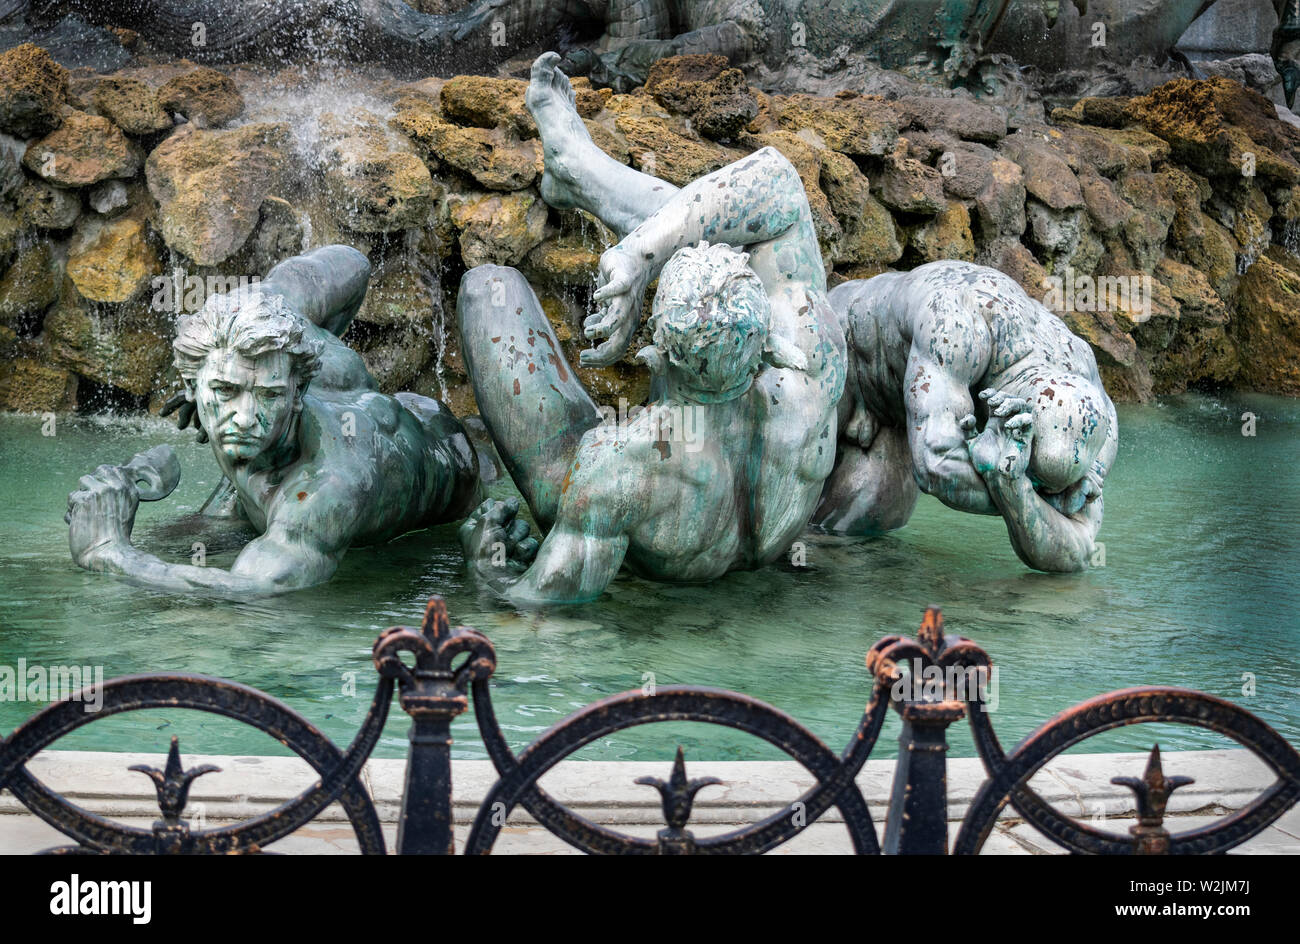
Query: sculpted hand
[620, 291]
[101, 513]
[493, 537]
[186, 413]
[1003, 405]
[1003, 448]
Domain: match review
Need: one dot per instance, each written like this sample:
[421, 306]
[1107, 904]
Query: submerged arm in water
[291, 554]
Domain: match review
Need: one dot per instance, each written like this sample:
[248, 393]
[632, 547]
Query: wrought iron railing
[453, 665]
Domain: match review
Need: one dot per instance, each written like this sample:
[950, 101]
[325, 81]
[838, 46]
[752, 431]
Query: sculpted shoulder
[342, 369]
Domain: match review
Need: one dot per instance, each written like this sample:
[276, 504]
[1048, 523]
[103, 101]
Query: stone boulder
[131, 105]
[33, 88]
[398, 294]
[707, 91]
[395, 361]
[659, 150]
[1267, 325]
[484, 102]
[1220, 129]
[210, 186]
[495, 158]
[28, 385]
[112, 260]
[1000, 206]
[908, 186]
[375, 184]
[966, 168]
[563, 260]
[116, 348]
[84, 150]
[870, 236]
[1099, 150]
[1048, 177]
[279, 234]
[30, 284]
[1145, 232]
[849, 123]
[46, 207]
[1198, 302]
[496, 227]
[961, 117]
[1008, 254]
[946, 236]
[204, 97]
[1107, 210]
[1055, 233]
[108, 197]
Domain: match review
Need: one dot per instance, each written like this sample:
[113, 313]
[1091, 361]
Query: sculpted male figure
[320, 460]
[745, 349]
[923, 344]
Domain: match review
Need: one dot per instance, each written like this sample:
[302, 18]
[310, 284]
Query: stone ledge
[604, 791]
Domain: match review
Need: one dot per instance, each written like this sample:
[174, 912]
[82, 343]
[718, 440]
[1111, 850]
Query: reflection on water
[1199, 589]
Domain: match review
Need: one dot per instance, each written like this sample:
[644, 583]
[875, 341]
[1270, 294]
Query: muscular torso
[883, 316]
[746, 493]
[368, 469]
[797, 408]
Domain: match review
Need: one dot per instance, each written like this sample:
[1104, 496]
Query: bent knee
[489, 286]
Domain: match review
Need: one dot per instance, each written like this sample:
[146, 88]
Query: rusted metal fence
[450, 666]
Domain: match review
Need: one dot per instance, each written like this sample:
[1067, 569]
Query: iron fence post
[917, 823]
[424, 826]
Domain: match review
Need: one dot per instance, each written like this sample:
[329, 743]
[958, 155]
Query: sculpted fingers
[611, 350]
[601, 323]
[601, 356]
[1020, 427]
[502, 513]
[969, 427]
[526, 550]
[617, 285]
[517, 531]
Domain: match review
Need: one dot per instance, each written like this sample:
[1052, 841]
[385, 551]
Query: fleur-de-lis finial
[930, 634]
[1152, 791]
[173, 782]
[678, 793]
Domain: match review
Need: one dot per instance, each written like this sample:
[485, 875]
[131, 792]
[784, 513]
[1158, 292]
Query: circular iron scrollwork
[339, 771]
[1010, 773]
[519, 775]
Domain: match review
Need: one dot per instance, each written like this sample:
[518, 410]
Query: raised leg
[577, 173]
[871, 491]
[532, 403]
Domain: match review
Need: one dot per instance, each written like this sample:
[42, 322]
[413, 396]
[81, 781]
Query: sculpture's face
[246, 404]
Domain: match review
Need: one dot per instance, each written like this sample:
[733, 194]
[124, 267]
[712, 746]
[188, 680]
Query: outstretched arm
[754, 200]
[101, 514]
[575, 563]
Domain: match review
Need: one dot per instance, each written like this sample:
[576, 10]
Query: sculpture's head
[246, 359]
[710, 321]
[1071, 422]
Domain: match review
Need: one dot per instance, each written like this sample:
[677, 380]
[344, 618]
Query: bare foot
[566, 144]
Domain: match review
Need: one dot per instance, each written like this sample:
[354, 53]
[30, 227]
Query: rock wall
[1161, 228]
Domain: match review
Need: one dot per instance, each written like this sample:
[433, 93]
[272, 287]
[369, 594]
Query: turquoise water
[1199, 588]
